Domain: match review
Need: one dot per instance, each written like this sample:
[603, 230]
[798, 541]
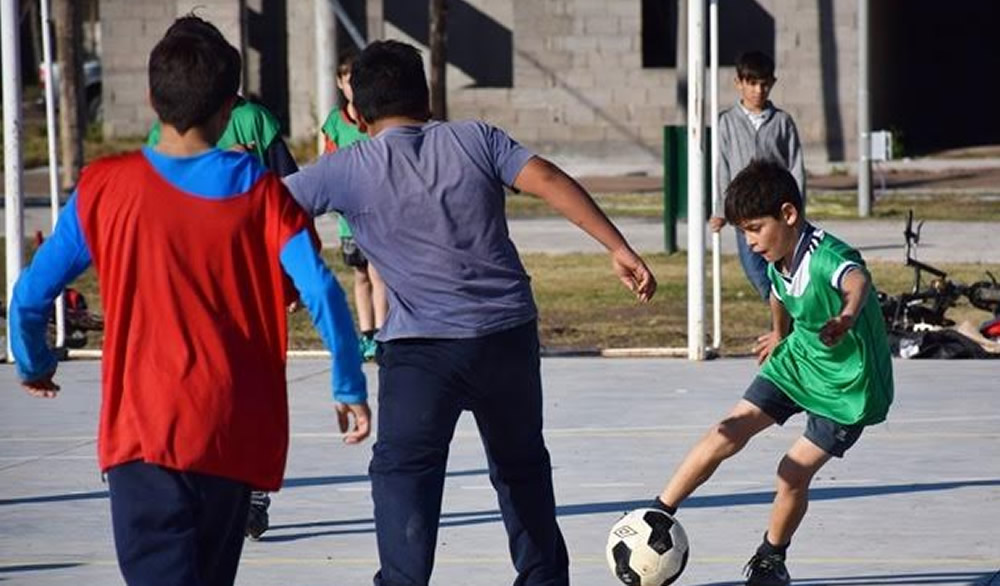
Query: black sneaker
[257, 517]
[767, 570]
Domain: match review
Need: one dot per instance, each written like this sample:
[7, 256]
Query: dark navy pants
[424, 385]
[176, 528]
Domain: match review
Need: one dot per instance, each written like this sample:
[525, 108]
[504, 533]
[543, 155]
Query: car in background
[91, 86]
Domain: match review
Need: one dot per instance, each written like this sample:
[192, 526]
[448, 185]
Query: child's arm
[796, 161]
[854, 287]
[566, 196]
[781, 324]
[324, 298]
[60, 260]
[279, 159]
[716, 222]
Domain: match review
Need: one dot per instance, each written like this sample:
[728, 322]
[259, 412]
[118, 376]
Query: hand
[293, 307]
[634, 273]
[716, 223]
[244, 148]
[43, 387]
[765, 345]
[362, 421]
[835, 329]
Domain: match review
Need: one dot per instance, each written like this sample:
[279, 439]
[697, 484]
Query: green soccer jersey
[249, 125]
[851, 382]
[340, 132]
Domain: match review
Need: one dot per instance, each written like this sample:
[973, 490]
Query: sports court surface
[916, 501]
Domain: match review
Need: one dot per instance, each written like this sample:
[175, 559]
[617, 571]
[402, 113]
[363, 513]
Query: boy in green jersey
[340, 130]
[834, 365]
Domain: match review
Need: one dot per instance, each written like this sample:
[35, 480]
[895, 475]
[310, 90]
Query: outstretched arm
[323, 297]
[566, 196]
[854, 287]
[58, 261]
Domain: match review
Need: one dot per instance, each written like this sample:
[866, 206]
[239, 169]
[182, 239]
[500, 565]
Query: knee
[361, 278]
[792, 476]
[729, 437]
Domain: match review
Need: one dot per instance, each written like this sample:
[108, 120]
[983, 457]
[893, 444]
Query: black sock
[767, 548]
[662, 506]
[369, 334]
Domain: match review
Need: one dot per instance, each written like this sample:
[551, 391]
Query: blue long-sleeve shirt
[214, 174]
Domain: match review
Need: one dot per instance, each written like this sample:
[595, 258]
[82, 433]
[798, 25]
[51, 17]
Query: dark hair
[388, 80]
[759, 191]
[754, 65]
[345, 60]
[192, 24]
[192, 72]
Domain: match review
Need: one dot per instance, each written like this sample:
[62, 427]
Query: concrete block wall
[579, 89]
[129, 31]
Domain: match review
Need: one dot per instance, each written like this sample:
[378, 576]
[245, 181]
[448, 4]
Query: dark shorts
[831, 437]
[353, 257]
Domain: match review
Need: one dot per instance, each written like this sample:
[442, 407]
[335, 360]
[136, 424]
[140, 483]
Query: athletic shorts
[353, 257]
[831, 437]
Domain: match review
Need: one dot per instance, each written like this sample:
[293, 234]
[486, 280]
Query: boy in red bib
[190, 244]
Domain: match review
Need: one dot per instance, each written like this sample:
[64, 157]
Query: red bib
[195, 323]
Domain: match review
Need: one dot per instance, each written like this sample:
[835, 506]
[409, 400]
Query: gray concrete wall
[129, 31]
[579, 90]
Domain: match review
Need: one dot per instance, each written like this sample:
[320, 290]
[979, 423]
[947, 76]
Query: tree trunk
[439, 58]
[68, 16]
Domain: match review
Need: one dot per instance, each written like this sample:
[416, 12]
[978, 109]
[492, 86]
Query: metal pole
[10, 47]
[50, 126]
[696, 179]
[864, 116]
[713, 33]
[326, 63]
[345, 19]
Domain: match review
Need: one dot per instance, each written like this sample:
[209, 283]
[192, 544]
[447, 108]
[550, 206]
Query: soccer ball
[647, 547]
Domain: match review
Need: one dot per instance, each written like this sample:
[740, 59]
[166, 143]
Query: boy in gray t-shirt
[755, 129]
[426, 202]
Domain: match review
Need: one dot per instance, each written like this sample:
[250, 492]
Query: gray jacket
[739, 143]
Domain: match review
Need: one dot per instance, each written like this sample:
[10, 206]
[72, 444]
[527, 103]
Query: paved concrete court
[917, 501]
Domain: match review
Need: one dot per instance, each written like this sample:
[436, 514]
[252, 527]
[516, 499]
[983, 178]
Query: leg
[223, 506]
[725, 439]
[795, 473]
[417, 413]
[379, 303]
[509, 416]
[160, 518]
[823, 439]
[363, 300]
[754, 266]
[258, 519]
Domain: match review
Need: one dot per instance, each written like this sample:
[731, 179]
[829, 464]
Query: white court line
[554, 432]
[271, 561]
[43, 457]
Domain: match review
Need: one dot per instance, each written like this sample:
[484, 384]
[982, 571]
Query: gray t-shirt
[427, 207]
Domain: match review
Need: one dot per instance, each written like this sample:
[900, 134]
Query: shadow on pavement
[460, 519]
[976, 578]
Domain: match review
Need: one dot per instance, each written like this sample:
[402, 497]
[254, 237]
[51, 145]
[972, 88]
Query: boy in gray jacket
[755, 129]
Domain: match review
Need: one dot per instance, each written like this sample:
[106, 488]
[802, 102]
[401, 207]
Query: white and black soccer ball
[647, 547]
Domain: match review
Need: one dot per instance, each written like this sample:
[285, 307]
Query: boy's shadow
[458, 519]
[972, 578]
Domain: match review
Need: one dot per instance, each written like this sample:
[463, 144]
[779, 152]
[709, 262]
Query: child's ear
[789, 214]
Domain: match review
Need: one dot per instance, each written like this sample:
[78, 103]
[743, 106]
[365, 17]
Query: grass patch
[582, 305]
[822, 205]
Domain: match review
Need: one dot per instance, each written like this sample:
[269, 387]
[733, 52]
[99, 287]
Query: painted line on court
[680, 430]
[270, 561]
